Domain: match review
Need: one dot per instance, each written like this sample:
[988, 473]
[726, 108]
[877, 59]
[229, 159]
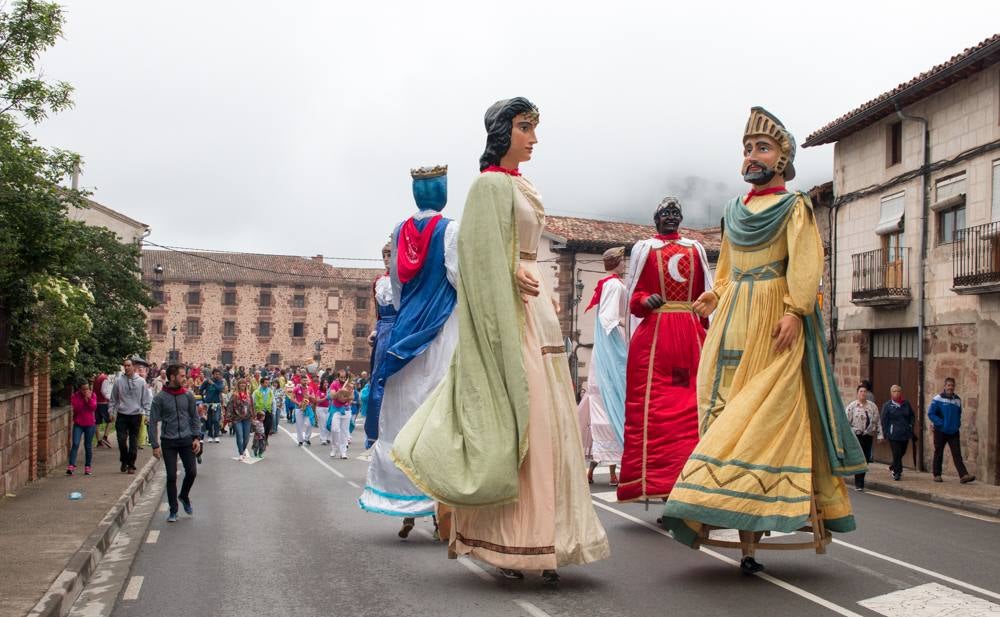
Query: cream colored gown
[553, 523]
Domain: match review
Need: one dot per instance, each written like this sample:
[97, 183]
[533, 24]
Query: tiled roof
[958, 67]
[216, 267]
[598, 236]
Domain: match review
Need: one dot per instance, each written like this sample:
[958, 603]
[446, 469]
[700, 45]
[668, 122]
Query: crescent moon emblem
[672, 264]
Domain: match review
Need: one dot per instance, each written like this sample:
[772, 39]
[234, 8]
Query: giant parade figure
[775, 443]
[661, 411]
[499, 440]
[379, 340]
[602, 407]
[423, 270]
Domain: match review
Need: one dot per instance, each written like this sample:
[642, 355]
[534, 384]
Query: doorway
[894, 361]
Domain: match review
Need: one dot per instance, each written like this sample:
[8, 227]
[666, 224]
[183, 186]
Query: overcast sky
[290, 127]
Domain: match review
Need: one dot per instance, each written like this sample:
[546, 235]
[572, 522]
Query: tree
[52, 267]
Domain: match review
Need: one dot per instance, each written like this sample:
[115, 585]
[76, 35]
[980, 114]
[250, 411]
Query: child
[259, 435]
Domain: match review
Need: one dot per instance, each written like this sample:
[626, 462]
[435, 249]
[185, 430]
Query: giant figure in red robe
[667, 273]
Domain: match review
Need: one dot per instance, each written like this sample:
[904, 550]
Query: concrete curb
[960, 504]
[64, 591]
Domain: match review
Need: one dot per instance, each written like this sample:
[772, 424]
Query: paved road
[284, 536]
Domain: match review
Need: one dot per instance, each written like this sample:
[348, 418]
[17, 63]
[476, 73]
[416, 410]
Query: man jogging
[129, 402]
[176, 409]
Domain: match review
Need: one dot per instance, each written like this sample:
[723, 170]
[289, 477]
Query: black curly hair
[499, 123]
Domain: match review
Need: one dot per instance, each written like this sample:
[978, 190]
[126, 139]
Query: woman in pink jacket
[84, 403]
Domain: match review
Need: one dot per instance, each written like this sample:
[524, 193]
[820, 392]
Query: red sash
[411, 249]
[597, 292]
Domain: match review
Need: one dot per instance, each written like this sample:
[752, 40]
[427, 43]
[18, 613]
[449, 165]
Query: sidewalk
[42, 529]
[978, 497]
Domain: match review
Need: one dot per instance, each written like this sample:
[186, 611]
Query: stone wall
[853, 360]
[951, 351]
[17, 466]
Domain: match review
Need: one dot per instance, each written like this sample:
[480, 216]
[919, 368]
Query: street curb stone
[64, 591]
[960, 504]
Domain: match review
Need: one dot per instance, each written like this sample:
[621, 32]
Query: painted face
[760, 155]
[522, 139]
[668, 218]
[386, 255]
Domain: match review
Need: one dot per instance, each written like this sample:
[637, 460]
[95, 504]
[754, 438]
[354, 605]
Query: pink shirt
[83, 409]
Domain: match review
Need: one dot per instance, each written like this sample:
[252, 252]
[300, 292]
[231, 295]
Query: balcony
[881, 278]
[976, 259]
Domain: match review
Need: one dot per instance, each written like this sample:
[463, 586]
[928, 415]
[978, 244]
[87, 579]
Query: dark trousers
[127, 428]
[898, 450]
[866, 446]
[212, 425]
[170, 449]
[940, 439]
[270, 424]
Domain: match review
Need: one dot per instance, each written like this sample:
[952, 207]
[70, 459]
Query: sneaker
[131, 470]
[550, 577]
[300, 443]
[897, 476]
[513, 575]
[87, 471]
[124, 467]
[217, 440]
[172, 517]
[407, 527]
[343, 457]
[187, 506]
[70, 469]
[938, 479]
[967, 478]
[749, 565]
[333, 455]
[309, 443]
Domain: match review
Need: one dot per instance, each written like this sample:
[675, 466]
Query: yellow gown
[762, 452]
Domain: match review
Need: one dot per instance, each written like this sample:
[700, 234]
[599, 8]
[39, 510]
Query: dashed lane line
[531, 609]
[802, 593]
[310, 453]
[936, 506]
[475, 569]
[153, 536]
[132, 591]
[354, 484]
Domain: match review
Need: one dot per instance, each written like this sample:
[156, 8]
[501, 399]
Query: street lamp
[173, 346]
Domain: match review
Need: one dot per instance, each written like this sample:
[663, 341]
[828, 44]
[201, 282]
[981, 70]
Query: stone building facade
[246, 308]
[916, 256]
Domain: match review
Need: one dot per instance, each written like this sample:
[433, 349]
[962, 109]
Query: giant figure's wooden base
[821, 537]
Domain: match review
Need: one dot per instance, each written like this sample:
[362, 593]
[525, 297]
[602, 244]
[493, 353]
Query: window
[950, 218]
[891, 214]
[265, 299]
[229, 298]
[229, 284]
[158, 296]
[332, 330]
[332, 303]
[995, 210]
[360, 330]
[226, 357]
[274, 358]
[194, 297]
[299, 301]
[299, 329]
[264, 328]
[361, 303]
[894, 144]
[156, 326]
[192, 327]
[229, 329]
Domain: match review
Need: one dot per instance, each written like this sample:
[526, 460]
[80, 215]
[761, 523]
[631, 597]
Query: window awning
[948, 203]
[891, 219]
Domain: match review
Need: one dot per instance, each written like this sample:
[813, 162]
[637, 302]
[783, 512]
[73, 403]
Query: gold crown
[421, 173]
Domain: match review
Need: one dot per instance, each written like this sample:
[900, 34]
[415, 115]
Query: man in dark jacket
[211, 395]
[945, 414]
[175, 429]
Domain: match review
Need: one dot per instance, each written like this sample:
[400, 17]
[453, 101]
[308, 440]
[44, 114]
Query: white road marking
[936, 506]
[531, 609]
[309, 452]
[915, 568]
[840, 610]
[132, 591]
[354, 484]
[475, 569]
[153, 536]
[930, 600]
[609, 496]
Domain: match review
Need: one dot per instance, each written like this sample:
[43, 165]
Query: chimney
[318, 258]
[76, 176]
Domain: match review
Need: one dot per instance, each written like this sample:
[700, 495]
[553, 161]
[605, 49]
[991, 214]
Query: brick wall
[852, 361]
[951, 351]
[17, 466]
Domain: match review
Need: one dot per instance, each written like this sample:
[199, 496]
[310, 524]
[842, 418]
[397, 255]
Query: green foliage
[52, 268]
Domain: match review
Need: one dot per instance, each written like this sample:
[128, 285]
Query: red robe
[661, 406]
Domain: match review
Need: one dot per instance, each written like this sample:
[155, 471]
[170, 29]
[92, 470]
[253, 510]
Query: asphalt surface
[285, 536]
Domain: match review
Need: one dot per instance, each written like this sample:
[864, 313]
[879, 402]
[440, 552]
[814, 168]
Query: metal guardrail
[881, 273]
[976, 255]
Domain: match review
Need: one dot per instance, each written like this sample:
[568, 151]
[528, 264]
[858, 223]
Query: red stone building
[246, 308]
